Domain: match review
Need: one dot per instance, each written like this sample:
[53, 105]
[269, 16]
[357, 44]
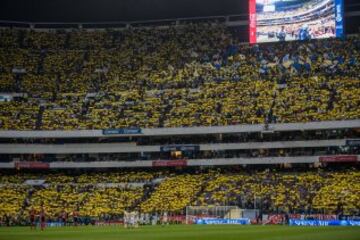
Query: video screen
[289, 20]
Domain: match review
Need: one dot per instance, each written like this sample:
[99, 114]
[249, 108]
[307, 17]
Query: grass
[188, 232]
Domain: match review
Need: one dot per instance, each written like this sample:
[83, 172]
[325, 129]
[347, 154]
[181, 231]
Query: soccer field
[186, 232]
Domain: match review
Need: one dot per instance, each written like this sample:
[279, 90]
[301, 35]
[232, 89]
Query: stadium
[155, 119]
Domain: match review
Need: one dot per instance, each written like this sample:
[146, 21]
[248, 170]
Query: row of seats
[83, 178]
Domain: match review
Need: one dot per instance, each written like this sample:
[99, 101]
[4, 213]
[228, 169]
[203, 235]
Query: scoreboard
[288, 20]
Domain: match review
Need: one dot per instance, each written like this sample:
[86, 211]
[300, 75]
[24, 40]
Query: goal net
[219, 215]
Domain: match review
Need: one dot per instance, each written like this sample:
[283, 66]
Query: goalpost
[219, 215]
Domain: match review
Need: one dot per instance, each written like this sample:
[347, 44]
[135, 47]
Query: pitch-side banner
[238, 221]
[294, 222]
[279, 20]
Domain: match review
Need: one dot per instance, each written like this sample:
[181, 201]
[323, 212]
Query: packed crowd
[270, 191]
[286, 192]
[107, 196]
[192, 75]
[96, 195]
[173, 194]
[12, 200]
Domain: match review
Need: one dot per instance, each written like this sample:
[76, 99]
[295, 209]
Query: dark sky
[115, 10]
[118, 10]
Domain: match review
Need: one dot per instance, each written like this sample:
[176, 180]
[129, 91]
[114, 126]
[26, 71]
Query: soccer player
[164, 220]
[132, 220]
[126, 219]
[42, 219]
[154, 219]
[32, 214]
[75, 217]
[63, 217]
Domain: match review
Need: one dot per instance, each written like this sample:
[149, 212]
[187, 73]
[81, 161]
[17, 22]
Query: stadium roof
[120, 10]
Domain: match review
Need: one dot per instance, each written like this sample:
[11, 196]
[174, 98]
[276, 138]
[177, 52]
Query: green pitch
[186, 232]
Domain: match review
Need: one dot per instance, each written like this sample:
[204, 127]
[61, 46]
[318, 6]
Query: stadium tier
[105, 196]
[192, 75]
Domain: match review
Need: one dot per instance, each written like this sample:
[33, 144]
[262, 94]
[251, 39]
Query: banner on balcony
[339, 158]
[31, 165]
[169, 163]
[120, 131]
